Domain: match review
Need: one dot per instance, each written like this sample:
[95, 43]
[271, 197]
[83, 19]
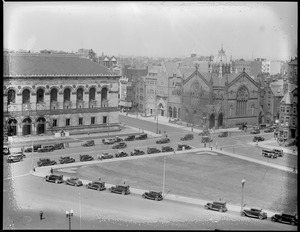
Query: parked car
[223, 134]
[157, 196]
[46, 148]
[119, 145]
[204, 133]
[166, 149]
[269, 130]
[88, 143]
[96, 185]
[163, 140]
[66, 160]
[86, 157]
[74, 181]
[137, 152]
[255, 131]
[278, 152]
[255, 213]
[58, 146]
[117, 139]
[106, 155]
[269, 154]
[121, 154]
[242, 127]
[180, 147]
[206, 139]
[45, 162]
[285, 218]
[187, 137]
[151, 150]
[141, 137]
[120, 189]
[17, 157]
[57, 179]
[6, 150]
[130, 138]
[108, 141]
[258, 139]
[216, 205]
[35, 148]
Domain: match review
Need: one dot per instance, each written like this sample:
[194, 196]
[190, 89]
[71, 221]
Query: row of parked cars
[46, 148]
[273, 154]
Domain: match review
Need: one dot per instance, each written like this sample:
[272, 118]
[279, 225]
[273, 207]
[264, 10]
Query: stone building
[293, 71]
[46, 93]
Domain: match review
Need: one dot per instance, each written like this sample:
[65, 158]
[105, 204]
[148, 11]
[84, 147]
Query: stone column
[86, 98]
[47, 101]
[60, 100]
[73, 99]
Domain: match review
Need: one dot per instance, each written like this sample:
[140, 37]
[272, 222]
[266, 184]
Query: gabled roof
[171, 68]
[287, 99]
[277, 90]
[186, 72]
[51, 64]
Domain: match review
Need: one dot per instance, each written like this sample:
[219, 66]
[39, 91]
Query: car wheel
[143, 196]
[99, 189]
[260, 217]
[272, 219]
[206, 207]
[293, 223]
[243, 214]
[156, 198]
[220, 210]
[123, 193]
[56, 181]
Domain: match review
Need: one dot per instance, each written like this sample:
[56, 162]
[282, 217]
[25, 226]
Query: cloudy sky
[157, 29]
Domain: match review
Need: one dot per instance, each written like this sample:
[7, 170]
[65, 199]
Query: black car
[269, 153]
[16, 157]
[187, 137]
[58, 179]
[88, 143]
[58, 146]
[206, 139]
[166, 149]
[180, 147]
[129, 138]
[278, 152]
[137, 152]
[121, 154]
[120, 189]
[119, 145]
[35, 148]
[163, 140]
[223, 134]
[86, 158]
[269, 130]
[96, 185]
[157, 196]
[216, 205]
[106, 155]
[204, 133]
[46, 148]
[118, 139]
[66, 160]
[74, 181]
[45, 162]
[285, 218]
[258, 138]
[141, 137]
[255, 213]
[255, 131]
[151, 150]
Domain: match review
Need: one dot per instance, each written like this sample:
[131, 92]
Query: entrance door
[220, 120]
[212, 121]
[26, 129]
[40, 129]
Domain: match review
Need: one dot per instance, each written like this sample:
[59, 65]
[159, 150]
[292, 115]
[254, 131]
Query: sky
[155, 29]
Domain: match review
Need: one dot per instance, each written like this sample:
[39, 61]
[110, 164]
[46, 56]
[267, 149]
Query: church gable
[196, 77]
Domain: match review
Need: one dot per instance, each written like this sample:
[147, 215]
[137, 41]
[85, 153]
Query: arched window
[174, 112]
[67, 95]
[242, 100]
[170, 112]
[53, 95]
[104, 94]
[179, 113]
[40, 96]
[80, 94]
[92, 94]
[11, 96]
[26, 96]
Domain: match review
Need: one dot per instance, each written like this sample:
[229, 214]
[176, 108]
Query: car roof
[219, 202]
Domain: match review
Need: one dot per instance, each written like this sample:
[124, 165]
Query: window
[80, 121]
[93, 120]
[92, 94]
[294, 110]
[53, 95]
[11, 95]
[67, 95]
[287, 121]
[26, 96]
[294, 122]
[104, 119]
[287, 109]
[40, 96]
[54, 122]
[67, 122]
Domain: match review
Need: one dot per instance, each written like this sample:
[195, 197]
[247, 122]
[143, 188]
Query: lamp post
[243, 184]
[164, 176]
[69, 215]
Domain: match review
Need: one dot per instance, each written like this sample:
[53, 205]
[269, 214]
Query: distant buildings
[271, 66]
[251, 67]
[293, 71]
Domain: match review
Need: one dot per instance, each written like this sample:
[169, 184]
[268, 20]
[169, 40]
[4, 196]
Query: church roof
[51, 64]
[221, 57]
[186, 72]
[277, 90]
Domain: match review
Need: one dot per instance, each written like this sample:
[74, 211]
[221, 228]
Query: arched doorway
[12, 127]
[220, 120]
[170, 112]
[27, 126]
[41, 125]
[212, 121]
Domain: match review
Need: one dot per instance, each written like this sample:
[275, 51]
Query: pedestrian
[51, 170]
[41, 215]
[192, 129]
[99, 178]
[33, 168]
[174, 152]
[166, 136]
[204, 145]
[256, 143]
[211, 147]
[124, 182]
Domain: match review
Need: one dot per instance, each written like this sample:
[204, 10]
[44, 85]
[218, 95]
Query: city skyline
[155, 29]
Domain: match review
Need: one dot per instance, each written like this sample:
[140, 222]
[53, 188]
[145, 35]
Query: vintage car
[141, 137]
[66, 160]
[58, 146]
[258, 139]
[46, 148]
[96, 185]
[269, 130]
[187, 137]
[137, 152]
[106, 155]
[204, 133]
[278, 152]
[255, 213]
[255, 131]
[216, 205]
[223, 134]
[57, 179]
[119, 145]
[157, 196]
[129, 138]
[86, 157]
[166, 149]
[45, 162]
[151, 150]
[74, 181]
[121, 154]
[162, 140]
[16, 157]
[88, 143]
[108, 141]
[181, 147]
[120, 189]
[285, 218]
[206, 139]
[268, 153]
[35, 148]
[6, 150]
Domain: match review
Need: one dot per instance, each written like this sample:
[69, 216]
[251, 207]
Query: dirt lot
[204, 176]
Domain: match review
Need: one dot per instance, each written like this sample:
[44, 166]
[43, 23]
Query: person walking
[51, 170]
[211, 147]
[41, 215]
[204, 145]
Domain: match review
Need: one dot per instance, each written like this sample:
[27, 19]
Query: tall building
[271, 66]
[293, 71]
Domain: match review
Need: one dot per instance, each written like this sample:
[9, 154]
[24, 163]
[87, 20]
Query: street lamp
[243, 183]
[69, 215]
